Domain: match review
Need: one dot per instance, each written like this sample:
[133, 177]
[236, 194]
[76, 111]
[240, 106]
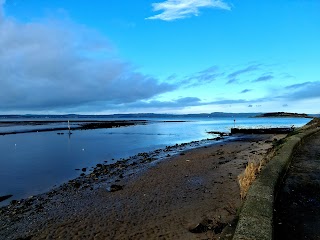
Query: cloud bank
[179, 9]
[302, 91]
[50, 65]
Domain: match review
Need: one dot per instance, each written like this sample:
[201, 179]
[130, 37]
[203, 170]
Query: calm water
[33, 163]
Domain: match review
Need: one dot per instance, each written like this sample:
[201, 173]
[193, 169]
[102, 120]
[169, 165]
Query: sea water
[32, 163]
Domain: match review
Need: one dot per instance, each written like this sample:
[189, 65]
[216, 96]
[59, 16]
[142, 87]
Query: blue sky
[166, 56]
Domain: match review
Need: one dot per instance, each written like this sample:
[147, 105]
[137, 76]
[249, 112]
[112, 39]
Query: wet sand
[193, 195]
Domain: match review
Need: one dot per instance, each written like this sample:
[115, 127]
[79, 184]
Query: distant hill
[284, 114]
[132, 115]
[159, 115]
[315, 115]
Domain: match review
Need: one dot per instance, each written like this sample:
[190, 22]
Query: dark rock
[84, 169]
[114, 188]
[208, 224]
[2, 198]
[200, 228]
[219, 227]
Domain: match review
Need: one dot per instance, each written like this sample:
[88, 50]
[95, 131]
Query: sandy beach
[193, 195]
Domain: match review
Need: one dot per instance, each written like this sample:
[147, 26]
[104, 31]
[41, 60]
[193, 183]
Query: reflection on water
[32, 163]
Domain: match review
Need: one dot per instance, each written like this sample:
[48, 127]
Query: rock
[84, 169]
[114, 188]
[219, 226]
[199, 228]
[208, 224]
[2, 198]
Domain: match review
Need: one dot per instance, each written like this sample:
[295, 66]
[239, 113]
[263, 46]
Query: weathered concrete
[261, 130]
[256, 216]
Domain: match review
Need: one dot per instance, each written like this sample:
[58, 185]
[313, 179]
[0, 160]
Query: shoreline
[82, 125]
[202, 181]
[136, 163]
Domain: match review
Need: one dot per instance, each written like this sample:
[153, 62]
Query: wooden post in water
[69, 127]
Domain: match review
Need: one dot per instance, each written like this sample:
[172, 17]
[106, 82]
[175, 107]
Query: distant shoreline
[79, 117]
[283, 115]
[82, 125]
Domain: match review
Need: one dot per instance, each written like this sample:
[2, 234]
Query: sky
[161, 56]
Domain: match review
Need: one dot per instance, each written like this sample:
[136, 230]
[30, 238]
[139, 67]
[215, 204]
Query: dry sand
[196, 191]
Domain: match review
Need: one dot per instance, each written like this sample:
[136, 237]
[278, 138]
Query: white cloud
[178, 9]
